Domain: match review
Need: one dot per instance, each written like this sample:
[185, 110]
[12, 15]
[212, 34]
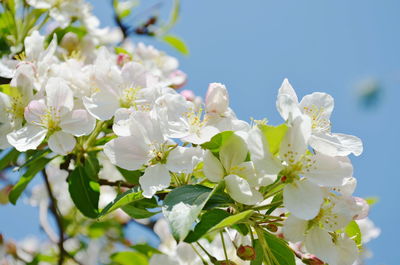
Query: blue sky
[329, 46]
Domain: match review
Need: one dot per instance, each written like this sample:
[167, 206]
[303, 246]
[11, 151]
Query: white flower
[142, 143]
[180, 119]
[239, 175]
[53, 116]
[117, 88]
[12, 105]
[318, 106]
[301, 196]
[318, 234]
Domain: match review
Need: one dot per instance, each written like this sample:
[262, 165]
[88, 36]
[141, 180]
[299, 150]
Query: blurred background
[348, 49]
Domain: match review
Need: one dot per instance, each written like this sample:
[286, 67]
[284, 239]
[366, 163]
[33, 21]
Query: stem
[119, 183]
[264, 245]
[58, 217]
[267, 206]
[95, 133]
[224, 246]
[198, 254]
[211, 257]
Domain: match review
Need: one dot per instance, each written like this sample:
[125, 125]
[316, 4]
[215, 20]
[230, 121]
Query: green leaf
[353, 231]
[8, 159]
[372, 200]
[218, 199]
[280, 249]
[122, 200]
[119, 50]
[233, 219]
[173, 18]
[259, 253]
[84, 192]
[92, 166]
[217, 141]
[26, 178]
[208, 220]
[38, 154]
[146, 250]
[131, 176]
[129, 258]
[137, 213]
[183, 205]
[274, 135]
[278, 197]
[177, 43]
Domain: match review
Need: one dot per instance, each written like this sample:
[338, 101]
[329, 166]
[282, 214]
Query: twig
[119, 183]
[57, 216]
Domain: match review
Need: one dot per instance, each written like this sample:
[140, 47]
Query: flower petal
[294, 144]
[287, 102]
[267, 166]
[184, 159]
[35, 111]
[59, 95]
[233, 152]
[347, 251]
[294, 229]
[62, 143]
[329, 171]
[127, 152]
[240, 190]
[102, 105]
[27, 138]
[303, 199]
[212, 168]
[319, 243]
[78, 123]
[155, 178]
[336, 144]
[322, 102]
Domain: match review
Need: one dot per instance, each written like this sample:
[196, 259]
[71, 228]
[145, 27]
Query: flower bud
[178, 79]
[272, 228]
[122, 59]
[310, 259]
[246, 253]
[217, 99]
[188, 95]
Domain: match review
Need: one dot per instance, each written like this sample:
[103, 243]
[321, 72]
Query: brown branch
[118, 183]
[58, 217]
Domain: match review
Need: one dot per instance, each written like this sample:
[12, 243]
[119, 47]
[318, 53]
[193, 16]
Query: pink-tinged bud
[4, 192]
[217, 98]
[178, 79]
[363, 208]
[246, 252]
[122, 59]
[311, 260]
[272, 228]
[70, 42]
[188, 95]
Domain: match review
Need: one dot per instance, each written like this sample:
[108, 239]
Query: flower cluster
[90, 116]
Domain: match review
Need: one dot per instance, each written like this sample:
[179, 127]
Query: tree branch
[58, 217]
[118, 183]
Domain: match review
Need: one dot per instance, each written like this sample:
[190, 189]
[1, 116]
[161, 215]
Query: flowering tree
[115, 142]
